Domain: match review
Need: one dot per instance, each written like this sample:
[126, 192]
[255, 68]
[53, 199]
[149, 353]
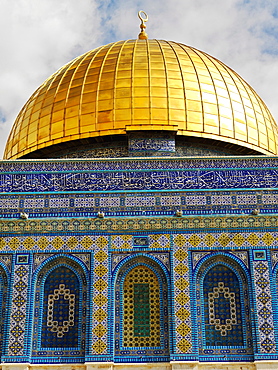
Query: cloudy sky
[39, 36]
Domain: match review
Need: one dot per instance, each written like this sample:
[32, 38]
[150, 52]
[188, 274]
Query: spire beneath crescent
[144, 18]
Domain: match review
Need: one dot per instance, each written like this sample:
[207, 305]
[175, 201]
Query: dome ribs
[145, 85]
[196, 97]
[210, 107]
[115, 99]
[166, 82]
[183, 107]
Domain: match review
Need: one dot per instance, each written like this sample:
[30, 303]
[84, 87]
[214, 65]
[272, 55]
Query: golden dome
[143, 85]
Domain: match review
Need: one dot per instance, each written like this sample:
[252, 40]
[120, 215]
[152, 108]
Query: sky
[39, 36]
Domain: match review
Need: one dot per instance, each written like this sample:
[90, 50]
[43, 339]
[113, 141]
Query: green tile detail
[141, 317]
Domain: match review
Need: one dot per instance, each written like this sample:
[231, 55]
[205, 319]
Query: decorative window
[60, 311]
[141, 301]
[141, 311]
[223, 311]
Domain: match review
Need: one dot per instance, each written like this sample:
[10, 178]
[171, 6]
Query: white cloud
[41, 36]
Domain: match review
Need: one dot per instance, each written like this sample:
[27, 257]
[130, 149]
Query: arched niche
[223, 309]
[141, 311]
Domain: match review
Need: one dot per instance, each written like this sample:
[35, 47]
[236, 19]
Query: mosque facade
[138, 200]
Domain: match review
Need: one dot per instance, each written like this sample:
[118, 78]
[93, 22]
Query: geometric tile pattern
[182, 309]
[264, 307]
[121, 242]
[4, 299]
[18, 314]
[58, 243]
[232, 240]
[130, 204]
[100, 297]
[232, 223]
[67, 243]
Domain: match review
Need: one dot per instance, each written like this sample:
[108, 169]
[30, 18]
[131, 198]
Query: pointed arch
[223, 309]
[60, 310]
[141, 307]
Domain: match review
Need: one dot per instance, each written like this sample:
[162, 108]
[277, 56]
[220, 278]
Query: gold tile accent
[180, 254]
[100, 315]
[183, 329]
[100, 330]
[100, 300]
[184, 345]
[181, 269]
[99, 347]
[29, 243]
[268, 239]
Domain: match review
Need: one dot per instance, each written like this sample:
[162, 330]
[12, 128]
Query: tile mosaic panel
[197, 257]
[164, 258]
[223, 309]
[100, 345]
[139, 180]
[182, 319]
[242, 162]
[60, 309]
[19, 312]
[136, 224]
[92, 153]
[4, 300]
[75, 242]
[264, 311]
[151, 145]
[274, 258]
[243, 256]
